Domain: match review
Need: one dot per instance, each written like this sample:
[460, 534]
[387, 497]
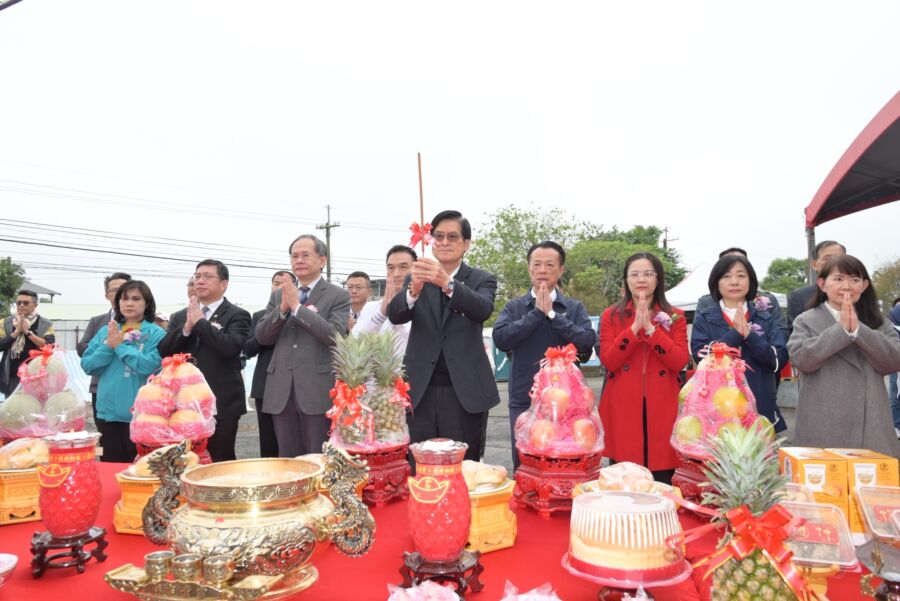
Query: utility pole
[666, 238]
[328, 226]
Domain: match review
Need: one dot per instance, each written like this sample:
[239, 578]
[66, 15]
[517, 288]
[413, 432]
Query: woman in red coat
[643, 344]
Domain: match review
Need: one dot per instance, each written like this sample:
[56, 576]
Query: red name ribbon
[401, 394]
[346, 405]
[566, 354]
[766, 533]
[420, 234]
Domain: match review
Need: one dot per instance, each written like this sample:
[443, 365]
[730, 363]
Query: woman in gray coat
[843, 348]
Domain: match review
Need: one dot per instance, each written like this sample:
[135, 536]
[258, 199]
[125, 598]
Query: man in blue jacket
[529, 325]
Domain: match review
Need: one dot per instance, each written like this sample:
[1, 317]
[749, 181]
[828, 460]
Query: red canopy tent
[867, 175]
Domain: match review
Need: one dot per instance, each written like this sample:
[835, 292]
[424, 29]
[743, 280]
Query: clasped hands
[848, 318]
[643, 320]
[427, 271]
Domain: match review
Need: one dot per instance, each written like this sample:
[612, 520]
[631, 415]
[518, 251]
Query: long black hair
[722, 267]
[867, 305]
[659, 293]
[144, 289]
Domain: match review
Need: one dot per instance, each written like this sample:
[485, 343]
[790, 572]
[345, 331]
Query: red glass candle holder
[70, 484]
[440, 512]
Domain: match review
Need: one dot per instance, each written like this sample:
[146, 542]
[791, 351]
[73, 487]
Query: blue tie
[304, 294]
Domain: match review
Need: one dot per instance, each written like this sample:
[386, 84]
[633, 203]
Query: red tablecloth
[534, 560]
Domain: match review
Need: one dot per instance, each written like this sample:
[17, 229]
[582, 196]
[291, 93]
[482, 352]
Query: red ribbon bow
[46, 353]
[767, 533]
[346, 405]
[567, 354]
[175, 360]
[421, 234]
[401, 393]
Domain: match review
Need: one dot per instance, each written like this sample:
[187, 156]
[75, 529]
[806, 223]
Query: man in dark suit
[111, 285]
[214, 331]
[452, 385]
[800, 298]
[268, 444]
[302, 324]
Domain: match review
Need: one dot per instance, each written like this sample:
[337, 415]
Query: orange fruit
[730, 402]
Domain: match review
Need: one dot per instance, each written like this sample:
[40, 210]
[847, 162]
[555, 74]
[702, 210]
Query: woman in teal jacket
[123, 354]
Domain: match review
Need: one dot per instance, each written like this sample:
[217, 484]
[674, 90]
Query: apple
[555, 403]
[542, 433]
[585, 433]
[688, 429]
[685, 391]
[730, 402]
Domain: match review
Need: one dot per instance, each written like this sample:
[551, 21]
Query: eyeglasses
[205, 276]
[636, 275]
[23, 303]
[452, 237]
[112, 290]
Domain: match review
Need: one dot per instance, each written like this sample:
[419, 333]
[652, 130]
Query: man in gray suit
[111, 285]
[301, 323]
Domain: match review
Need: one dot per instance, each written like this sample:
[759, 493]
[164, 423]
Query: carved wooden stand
[197, 446]
[616, 594]
[388, 471]
[545, 483]
[74, 556]
[689, 478]
[463, 572]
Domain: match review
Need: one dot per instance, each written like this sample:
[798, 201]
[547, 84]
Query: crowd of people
[834, 335]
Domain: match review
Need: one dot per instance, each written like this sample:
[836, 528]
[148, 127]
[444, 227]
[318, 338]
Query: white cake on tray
[622, 535]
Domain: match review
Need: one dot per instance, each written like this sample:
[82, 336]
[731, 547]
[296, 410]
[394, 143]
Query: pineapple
[351, 358]
[744, 471]
[387, 366]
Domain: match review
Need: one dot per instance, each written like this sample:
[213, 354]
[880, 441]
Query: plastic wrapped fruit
[563, 418]
[156, 399]
[19, 413]
[44, 373]
[717, 398]
[64, 412]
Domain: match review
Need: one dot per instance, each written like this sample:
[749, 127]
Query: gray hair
[321, 248]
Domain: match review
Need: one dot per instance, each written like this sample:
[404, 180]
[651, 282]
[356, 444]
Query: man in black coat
[214, 331]
[800, 298]
[452, 385]
[268, 444]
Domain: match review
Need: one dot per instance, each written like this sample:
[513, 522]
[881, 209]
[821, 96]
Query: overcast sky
[147, 125]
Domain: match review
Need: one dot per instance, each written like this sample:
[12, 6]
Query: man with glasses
[23, 332]
[360, 287]
[302, 322]
[529, 325]
[452, 384]
[213, 331]
[111, 285]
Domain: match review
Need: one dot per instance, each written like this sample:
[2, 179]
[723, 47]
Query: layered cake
[622, 535]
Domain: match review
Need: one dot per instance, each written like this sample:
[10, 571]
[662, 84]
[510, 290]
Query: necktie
[304, 294]
[205, 312]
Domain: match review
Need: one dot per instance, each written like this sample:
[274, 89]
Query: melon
[19, 411]
[63, 407]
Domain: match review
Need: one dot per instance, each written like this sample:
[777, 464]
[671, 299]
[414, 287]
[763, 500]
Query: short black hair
[221, 268]
[895, 301]
[284, 271]
[549, 245]
[321, 247]
[733, 249]
[119, 275]
[144, 289]
[455, 216]
[28, 292]
[400, 248]
[818, 250]
[723, 266]
[361, 274]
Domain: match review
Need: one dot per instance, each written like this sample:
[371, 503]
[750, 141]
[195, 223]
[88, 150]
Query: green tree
[10, 281]
[886, 280]
[501, 244]
[785, 275]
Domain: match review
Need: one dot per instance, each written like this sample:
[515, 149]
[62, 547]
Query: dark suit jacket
[217, 350]
[94, 324]
[706, 301]
[301, 359]
[799, 299]
[252, 348]
[457, 332]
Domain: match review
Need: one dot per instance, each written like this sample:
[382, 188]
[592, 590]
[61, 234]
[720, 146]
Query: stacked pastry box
[836, 475]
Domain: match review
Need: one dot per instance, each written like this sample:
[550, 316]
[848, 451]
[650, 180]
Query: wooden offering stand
[388, 472]
[545, 482]
[19, 494]
[689, 478]
[74, 556]
[463, 572]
